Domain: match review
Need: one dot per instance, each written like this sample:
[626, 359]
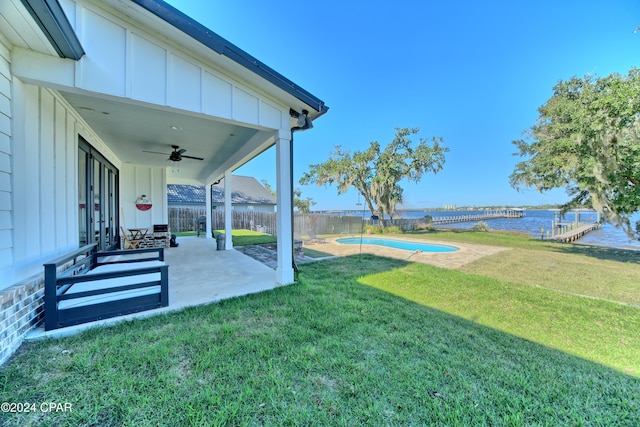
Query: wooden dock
[575, 234]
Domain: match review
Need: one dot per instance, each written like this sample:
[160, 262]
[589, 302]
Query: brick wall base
[21, 310]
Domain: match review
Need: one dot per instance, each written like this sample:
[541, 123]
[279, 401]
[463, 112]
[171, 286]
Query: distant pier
[493, 214]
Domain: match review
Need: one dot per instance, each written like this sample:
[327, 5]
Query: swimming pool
[397, 244]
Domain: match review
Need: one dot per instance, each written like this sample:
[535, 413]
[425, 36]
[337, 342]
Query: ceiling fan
[176, 155]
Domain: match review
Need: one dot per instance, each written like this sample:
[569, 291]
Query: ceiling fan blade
[180, 151]
[155, 152]
[191, 157]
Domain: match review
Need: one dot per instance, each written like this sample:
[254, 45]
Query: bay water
[536, 220]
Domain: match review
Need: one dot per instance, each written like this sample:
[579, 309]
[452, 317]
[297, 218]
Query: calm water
[608, 235]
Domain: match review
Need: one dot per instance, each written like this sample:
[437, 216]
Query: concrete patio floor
[198, 274]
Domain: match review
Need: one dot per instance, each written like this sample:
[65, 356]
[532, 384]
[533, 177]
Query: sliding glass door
[97, 198]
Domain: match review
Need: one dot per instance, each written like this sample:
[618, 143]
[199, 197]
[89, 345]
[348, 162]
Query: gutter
[220, 45]
[53, 22]
[303, 123]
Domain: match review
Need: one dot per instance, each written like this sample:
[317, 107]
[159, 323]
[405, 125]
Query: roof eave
[53, 22]
[222, 46]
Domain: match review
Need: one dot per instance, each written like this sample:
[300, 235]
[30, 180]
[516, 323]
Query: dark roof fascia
[53, 22]
[220, 45]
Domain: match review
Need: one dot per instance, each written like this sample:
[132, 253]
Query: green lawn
[248, 237]
[240, 237]
[597, 272]
[357, 341]
[314, 253]
[186, 233]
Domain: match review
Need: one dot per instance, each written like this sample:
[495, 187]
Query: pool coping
[467, 253]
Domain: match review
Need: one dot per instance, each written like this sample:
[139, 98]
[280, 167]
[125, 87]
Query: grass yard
[358, 341]
[597, 272]
[186, 234]
[579, 275]
[314, 253]
[247, 237]
[240, 237]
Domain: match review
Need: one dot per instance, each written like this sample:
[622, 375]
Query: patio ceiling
[130, 130]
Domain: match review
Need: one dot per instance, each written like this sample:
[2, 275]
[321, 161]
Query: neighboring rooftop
[244, 190]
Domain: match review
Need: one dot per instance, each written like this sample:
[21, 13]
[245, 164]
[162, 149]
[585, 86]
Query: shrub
[423, 226]
[372, 229]
[480, 226]
[393, 229]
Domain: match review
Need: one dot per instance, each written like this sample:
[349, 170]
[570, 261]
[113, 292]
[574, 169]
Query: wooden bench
[87, 285]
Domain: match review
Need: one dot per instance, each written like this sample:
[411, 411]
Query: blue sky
[473, 73]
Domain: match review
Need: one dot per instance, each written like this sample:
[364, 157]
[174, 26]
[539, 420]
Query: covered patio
[198, 274]
[146, 96]
[104, 104]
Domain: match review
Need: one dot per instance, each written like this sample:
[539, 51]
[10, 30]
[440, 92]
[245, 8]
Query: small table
[138, 233]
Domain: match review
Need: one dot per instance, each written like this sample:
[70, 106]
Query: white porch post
[284, 270]
[207, 207]
[228, 214]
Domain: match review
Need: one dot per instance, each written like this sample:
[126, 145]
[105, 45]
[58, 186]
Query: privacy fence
[185, 219]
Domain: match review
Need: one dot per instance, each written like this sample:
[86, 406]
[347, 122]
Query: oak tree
[376, 172]
[586, 140]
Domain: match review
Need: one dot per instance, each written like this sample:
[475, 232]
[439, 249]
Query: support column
[228, 213]
[207, 208]
[284, 269]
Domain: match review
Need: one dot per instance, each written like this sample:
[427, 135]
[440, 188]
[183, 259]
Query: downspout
[304, 123]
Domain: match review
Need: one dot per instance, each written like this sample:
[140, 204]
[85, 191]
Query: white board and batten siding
[45, 184]
[6, 223]
[125, 61]
[44, 172]
[136, 180]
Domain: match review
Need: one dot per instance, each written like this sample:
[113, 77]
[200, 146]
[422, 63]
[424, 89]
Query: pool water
[397, 244]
